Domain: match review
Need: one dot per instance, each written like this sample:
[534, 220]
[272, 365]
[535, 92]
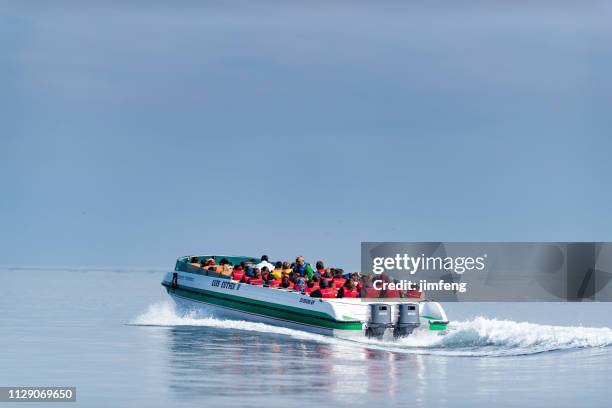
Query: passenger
[264, 273]
[265, 262]
[238, 273]
[224, 261]
[226, 268]
[300, 284]
[320, 268]
[287, 269]
[393, 293]
[368, 290]
[249, 271]
[332, 286]
[339, 278]
[323, 291]
[416, 294]
[316, 280]
[316, 292]
[349, 290]
[299, 266]
[295, 278]
[366, 282]
[194, 261]
[302, 268]
[256, 279]
[327, 276]
[310, 286]
[210, 262]
[272, 281]
[356, 276]
[278, 270]
[286, 283]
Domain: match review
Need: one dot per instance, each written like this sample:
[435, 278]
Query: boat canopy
[186, 263]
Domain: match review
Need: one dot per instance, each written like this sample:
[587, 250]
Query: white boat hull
[347, 318]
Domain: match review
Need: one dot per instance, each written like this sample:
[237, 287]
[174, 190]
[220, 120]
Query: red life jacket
[237, 275]
[327, 279]
[264, 276]
[288, 287]
[372, 293]
[308, 290]
[328, 292]
[316, 285]
[339, 282]
[274, 283]
[392, 293]
[349, 293]
[256, 282]
[296, 287]
[414, 294]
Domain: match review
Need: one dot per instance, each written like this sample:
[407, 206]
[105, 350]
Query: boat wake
[478, 337]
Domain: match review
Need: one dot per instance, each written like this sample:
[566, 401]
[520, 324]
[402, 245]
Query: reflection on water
[212, 362]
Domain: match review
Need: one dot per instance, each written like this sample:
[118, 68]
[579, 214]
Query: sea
[114, 334]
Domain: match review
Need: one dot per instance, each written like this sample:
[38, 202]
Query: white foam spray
[476, 337]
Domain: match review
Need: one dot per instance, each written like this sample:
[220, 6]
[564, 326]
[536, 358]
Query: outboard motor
[380, 320]
[407, 320]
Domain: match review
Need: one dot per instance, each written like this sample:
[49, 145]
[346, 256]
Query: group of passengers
[320, 282]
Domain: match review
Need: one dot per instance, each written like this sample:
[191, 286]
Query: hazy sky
[130, 135]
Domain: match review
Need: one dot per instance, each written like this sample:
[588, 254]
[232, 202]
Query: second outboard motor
[380, 320]
[407, 320]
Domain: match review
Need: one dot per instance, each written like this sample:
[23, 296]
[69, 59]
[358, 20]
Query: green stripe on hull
[259, 307]
[437, 326]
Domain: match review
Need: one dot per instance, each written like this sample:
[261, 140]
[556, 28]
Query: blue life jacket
[300, 269]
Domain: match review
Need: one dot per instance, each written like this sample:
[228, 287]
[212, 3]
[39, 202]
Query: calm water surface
[116, 337]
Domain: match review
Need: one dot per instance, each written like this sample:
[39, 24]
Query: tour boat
[215, 292]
